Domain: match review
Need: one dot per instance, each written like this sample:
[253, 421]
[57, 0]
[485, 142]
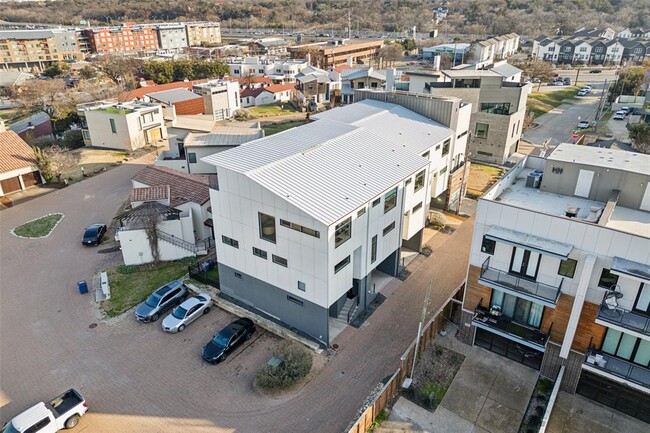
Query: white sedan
[186, 313]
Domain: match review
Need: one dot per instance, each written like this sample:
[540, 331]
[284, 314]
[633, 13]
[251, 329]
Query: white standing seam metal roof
[330, 167]
[223, 136]
[506, 70]
[173, 95]
[632, 162]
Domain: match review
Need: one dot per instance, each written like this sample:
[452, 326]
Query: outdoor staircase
[200, 248]
[349, 309]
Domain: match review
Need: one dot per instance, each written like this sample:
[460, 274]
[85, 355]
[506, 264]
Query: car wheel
[221, 358]
[249, 335]
[72, 421]
[181, 328]
[154, 317]
[207, 310]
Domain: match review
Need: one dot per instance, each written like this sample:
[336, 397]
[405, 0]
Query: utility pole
[350, 24]
[577, 75]
[427, 296]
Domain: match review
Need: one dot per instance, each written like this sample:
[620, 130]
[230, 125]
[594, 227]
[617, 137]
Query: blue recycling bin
[83, 287]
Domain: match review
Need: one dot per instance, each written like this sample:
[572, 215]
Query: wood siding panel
[587, 326]
[476, 291]
[190, 106]
[559, 317]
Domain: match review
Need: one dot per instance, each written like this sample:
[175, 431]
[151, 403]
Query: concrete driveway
[138, 379]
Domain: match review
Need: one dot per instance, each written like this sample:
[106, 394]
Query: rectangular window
[191, 156]
[343, 232]
[301, 286]
[389, 228]
[259, 253]
[267, 227]
[567, 268]
[481, 130]
[426, 155]
[445, 146]
[488, 245]
[361, 212]
[442, 171]
[408, 181]
[340, 265]
[518, 310]
[417, 207]
[607, 279]
[229, 241]
[237, 275]
[373, 249]
[461, 135]
[390, 199]
[376, 201]
[299, 228]
[280, 260]
[113, 127]
[294, 300]
[496, 108]
[419, 181]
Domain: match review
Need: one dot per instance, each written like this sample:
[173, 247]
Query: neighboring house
[317, 84]
[278, 71]
[634, 49]
[594, 50]
[268, 47]
[11, 81]
[308, 220]
[18, 169]
[333, 53]
[179, 203]
[605, 33]
[352, 79]
[220, 98]
[456, 51]
[147, 87]
[282, 92]
[183, 101]
[33, 126]
[126, 126]
[559, 273]
[634, 33]
[119, 39]
[187, 154]
[490, 50]
[249, 97]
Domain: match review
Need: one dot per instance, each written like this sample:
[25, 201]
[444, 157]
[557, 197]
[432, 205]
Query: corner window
[191, 156]
[488, 246]
[280, 261]
[567, 268]
[267, 227]
[259, 253]
[481, 130]
[389, 228]
[419, 181]
[607, 279]
[445, 146]
[343, 232]
[390, 200]
[373, 249]
[340, 265]
[113, 127]
[229, 241]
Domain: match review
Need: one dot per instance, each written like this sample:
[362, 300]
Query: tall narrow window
[343, 232]
[419, 181]
[390, 200]
[373, 249]
[267, 227]
[113, 127]
[445, 146]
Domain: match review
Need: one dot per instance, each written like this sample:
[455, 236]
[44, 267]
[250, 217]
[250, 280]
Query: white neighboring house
[493, 49]
[220, 98]
[278, 70]
[125, 126]
[179, 202]
[267, 95]
[307, 220]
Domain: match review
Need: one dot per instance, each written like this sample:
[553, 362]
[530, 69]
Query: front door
[524, 263]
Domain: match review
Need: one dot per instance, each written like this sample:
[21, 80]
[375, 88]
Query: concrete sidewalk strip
[497, 418]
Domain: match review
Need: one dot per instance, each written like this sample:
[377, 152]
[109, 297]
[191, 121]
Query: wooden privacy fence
[390, 389]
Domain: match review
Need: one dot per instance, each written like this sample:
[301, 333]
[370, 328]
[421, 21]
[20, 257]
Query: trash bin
[83, 287]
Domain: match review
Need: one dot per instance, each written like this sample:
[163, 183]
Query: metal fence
[205, 271]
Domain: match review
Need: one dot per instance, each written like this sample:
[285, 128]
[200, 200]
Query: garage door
[31, 179]
[10, 185]
[615, 395]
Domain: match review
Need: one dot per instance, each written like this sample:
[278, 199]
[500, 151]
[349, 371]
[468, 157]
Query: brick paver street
[135, 377]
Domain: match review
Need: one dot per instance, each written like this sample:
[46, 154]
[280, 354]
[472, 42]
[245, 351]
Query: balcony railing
[506, 327]
[624, 318]
[618, 367]
[518, 286]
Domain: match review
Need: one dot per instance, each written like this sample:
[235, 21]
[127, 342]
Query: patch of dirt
[481, 178]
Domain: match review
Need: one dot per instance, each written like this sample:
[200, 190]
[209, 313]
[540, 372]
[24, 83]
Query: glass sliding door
[642, 304]
[627, 347]
[519, 310]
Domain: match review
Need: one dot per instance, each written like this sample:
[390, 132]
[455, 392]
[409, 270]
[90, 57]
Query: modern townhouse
[352, 79]
[125, 126]
[629, 33]
[491, 50]
[280, 71]
[220, 98]
[317, 85]
[559, 272]
[589, 49]
[614, 53]
[605, 33]
[635, 50]
[307, 221]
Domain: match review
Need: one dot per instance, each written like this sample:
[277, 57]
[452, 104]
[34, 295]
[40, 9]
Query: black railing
[625, 318]
[513, 330]
[518, 284]
[618, 367]
[206, 271]
[353, 308]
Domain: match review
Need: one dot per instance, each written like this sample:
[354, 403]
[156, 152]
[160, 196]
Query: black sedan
[93, 234]
[227, 340]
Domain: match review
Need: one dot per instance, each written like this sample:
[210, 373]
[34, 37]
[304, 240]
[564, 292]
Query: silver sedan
[186, 313]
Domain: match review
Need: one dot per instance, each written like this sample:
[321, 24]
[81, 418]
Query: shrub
[43, 141]
[437, 220]
[296, 364]
[242, 114]
[73, 139]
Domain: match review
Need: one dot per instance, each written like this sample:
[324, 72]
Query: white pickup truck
[62, 412]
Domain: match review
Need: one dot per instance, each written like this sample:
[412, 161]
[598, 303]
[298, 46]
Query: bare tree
[48, 96]
[150, 221]
[391, 53]
[121, 70]
[53, 161]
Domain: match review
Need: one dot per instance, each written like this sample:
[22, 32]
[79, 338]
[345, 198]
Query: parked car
[164, 298]
[558, 83]
[567, 81]
[61, 412]
[93, 234]
[583, 92]
[227, 340]
[186, 313]
[584, 124]
[313, 106]
[619, 115]
[595, 71]
[626, 109]
[588, 87]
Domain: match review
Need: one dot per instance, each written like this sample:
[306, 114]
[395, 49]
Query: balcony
[521, 287]
[596, 361]
[504, 326]
[624, 318]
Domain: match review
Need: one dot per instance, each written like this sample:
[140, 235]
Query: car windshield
[179, 312]
[90, 233]
[9, 428]
[220, 340]
[152, 300]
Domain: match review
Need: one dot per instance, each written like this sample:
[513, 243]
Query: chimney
[308, 57]
[390, 79]
[436, 62]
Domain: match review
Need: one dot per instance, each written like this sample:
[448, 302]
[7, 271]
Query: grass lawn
[271, 110]
[40, 227]
[543, 102]
[274, 128]
[481, 177]
[130, 285]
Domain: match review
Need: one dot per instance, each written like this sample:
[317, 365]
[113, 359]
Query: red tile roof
[276, 88]
[142, 91]
[252, 92]
[150, 193]
[184, 187]
[341, 68]
[14, 152]
[243, 81]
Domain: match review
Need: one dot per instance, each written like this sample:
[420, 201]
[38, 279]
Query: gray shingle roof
[174, 95]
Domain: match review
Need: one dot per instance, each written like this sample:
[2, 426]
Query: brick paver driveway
[138, 379]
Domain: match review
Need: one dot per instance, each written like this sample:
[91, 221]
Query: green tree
[409, 44]
[629, 82]
[88, 73]
[183, 69]
[56, 70]
[640, 136]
